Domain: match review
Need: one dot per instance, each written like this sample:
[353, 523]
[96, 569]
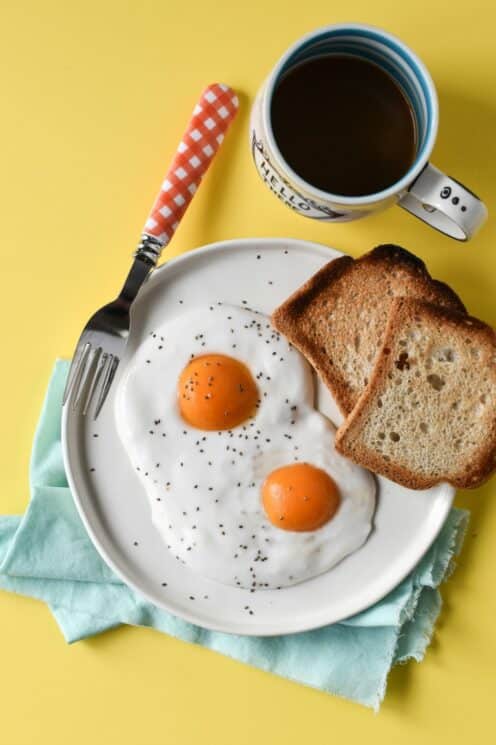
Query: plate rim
[322, 249]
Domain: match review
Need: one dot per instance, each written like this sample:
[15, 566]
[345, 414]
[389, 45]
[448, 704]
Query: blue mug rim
[422, 156]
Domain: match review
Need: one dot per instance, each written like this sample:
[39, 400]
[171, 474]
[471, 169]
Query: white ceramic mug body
[422, 190]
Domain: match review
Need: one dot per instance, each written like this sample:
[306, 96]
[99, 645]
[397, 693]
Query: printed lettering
[283, 189]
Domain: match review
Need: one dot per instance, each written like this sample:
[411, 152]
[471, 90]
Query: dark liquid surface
[343, 125]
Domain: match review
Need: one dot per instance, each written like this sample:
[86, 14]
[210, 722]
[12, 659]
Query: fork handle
[212, 115]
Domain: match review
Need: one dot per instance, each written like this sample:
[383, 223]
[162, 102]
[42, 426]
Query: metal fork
[102, 342]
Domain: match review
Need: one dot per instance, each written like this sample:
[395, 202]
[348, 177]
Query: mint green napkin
[47, 554]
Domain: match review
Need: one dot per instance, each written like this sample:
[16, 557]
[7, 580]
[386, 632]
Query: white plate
[115, 511]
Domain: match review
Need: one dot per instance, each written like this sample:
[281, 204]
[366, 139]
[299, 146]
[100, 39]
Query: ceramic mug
[426, 192]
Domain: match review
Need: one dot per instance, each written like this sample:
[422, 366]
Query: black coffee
[344, 125]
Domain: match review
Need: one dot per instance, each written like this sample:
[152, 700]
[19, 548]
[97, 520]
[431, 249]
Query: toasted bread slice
[428, 413]
[337, 319]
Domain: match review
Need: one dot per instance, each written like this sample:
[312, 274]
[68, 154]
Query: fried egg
[215, 411]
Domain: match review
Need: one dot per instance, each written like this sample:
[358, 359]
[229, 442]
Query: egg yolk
[299, 497]
[216, 392]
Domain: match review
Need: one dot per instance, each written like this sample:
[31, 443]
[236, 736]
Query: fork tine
[99, 361]
[110, 369]
[87, 374]
[74, 371]
[84, 371]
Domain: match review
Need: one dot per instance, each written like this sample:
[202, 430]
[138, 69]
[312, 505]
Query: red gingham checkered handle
[211, 118]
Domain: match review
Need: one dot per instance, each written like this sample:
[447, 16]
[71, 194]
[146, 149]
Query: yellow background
[95, 95]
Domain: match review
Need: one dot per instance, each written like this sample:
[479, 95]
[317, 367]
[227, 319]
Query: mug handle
[445, 204]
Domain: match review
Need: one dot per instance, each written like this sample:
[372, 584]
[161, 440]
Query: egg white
[204, 488]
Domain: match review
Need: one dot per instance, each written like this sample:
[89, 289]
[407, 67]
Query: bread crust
[317, 293]
[403, 310]
[286, 320]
